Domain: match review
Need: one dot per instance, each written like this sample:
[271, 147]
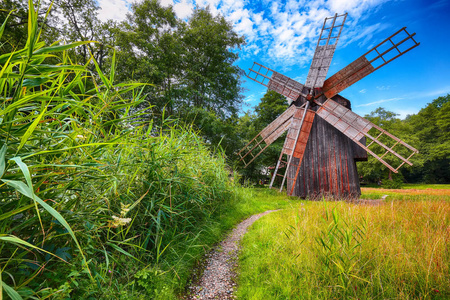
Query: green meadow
[396, 249]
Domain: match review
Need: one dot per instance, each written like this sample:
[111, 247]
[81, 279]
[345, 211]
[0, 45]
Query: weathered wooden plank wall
[328, 168]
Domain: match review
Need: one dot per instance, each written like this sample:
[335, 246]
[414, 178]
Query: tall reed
[93, 196]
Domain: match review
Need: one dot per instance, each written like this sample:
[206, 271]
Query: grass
[95, 201]
[421, 192]
[338, 250]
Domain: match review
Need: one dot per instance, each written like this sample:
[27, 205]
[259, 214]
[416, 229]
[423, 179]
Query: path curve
[217, 280]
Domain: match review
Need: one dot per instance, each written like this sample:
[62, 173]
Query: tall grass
[96, 202]
[337, 250]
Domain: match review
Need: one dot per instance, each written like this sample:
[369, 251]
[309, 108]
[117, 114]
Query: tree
[149, 50]
[431, 127]
[271, 106]
[189, 63]
[373, 170]
[15, 32]
[209, 77]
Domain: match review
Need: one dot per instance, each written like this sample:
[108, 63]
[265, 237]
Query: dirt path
[217, 280]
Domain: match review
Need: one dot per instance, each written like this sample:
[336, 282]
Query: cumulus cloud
[183, 9]
[282, 33]
[113, 9]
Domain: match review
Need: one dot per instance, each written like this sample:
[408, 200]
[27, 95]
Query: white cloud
[166, 3]
[112, 9]
[379, 101]
[363, 91]
[184, 8]
[284, 34]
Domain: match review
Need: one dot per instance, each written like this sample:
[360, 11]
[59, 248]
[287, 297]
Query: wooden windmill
[325, 137]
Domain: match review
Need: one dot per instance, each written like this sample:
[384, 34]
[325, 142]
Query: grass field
[337, 250]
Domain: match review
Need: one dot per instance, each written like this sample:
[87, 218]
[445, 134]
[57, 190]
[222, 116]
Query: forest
[119, 141]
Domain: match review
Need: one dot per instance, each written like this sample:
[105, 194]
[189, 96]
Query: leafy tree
[373, 170]
[271, 106]
[431, 127]
[189, 63]
[209, 77]
[150, 51]
[15, 32]
[78, 21]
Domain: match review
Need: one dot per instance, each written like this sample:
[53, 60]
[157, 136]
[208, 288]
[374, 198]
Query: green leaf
[102, 76]
[2, 160]
[44, 68]
[15, 240]
[30, 130]
[11, 213]
[10, 291]
[121, 250]
[4, 24]
[113, 68]
[61, 47]
[28, 192]
[31, 82]
[32, 28]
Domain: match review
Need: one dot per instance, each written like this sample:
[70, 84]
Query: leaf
[30, 131]
[31, 82]
[61, 47]
[2, 28]
[113, 67]
[32, 28]
[2, 160]
[15, 240]
[11, 213]
[28, 192]
[102, 76]
[45, 68]
[121, 250]
[10, 291]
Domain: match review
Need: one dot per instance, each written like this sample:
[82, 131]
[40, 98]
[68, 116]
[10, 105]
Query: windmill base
[328, 169]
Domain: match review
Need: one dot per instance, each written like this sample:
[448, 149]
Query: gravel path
[217, 280]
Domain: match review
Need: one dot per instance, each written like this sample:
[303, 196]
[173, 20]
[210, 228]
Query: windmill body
[328, 168]
[324, 137]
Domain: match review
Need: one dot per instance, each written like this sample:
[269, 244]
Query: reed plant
[96, 202]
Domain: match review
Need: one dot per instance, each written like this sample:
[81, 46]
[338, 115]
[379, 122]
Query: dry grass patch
[338, 250]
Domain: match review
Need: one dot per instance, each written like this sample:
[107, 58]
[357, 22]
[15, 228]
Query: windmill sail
[394, 46]
[266, 137]
[277, 82]
[356, 127]
[326, 45]
[295, 143]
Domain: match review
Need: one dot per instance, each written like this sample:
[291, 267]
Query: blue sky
[282, 35]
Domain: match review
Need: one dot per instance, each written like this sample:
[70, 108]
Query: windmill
[324, 137]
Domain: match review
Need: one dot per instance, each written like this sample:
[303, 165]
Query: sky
[282, 35]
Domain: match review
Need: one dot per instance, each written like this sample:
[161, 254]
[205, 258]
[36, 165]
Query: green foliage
[271, 106]
[427, 131]
[191, 63]
[431, 128]
[92, 193]
[338, 252]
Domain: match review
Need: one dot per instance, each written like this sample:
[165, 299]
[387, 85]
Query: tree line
[190, 67]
